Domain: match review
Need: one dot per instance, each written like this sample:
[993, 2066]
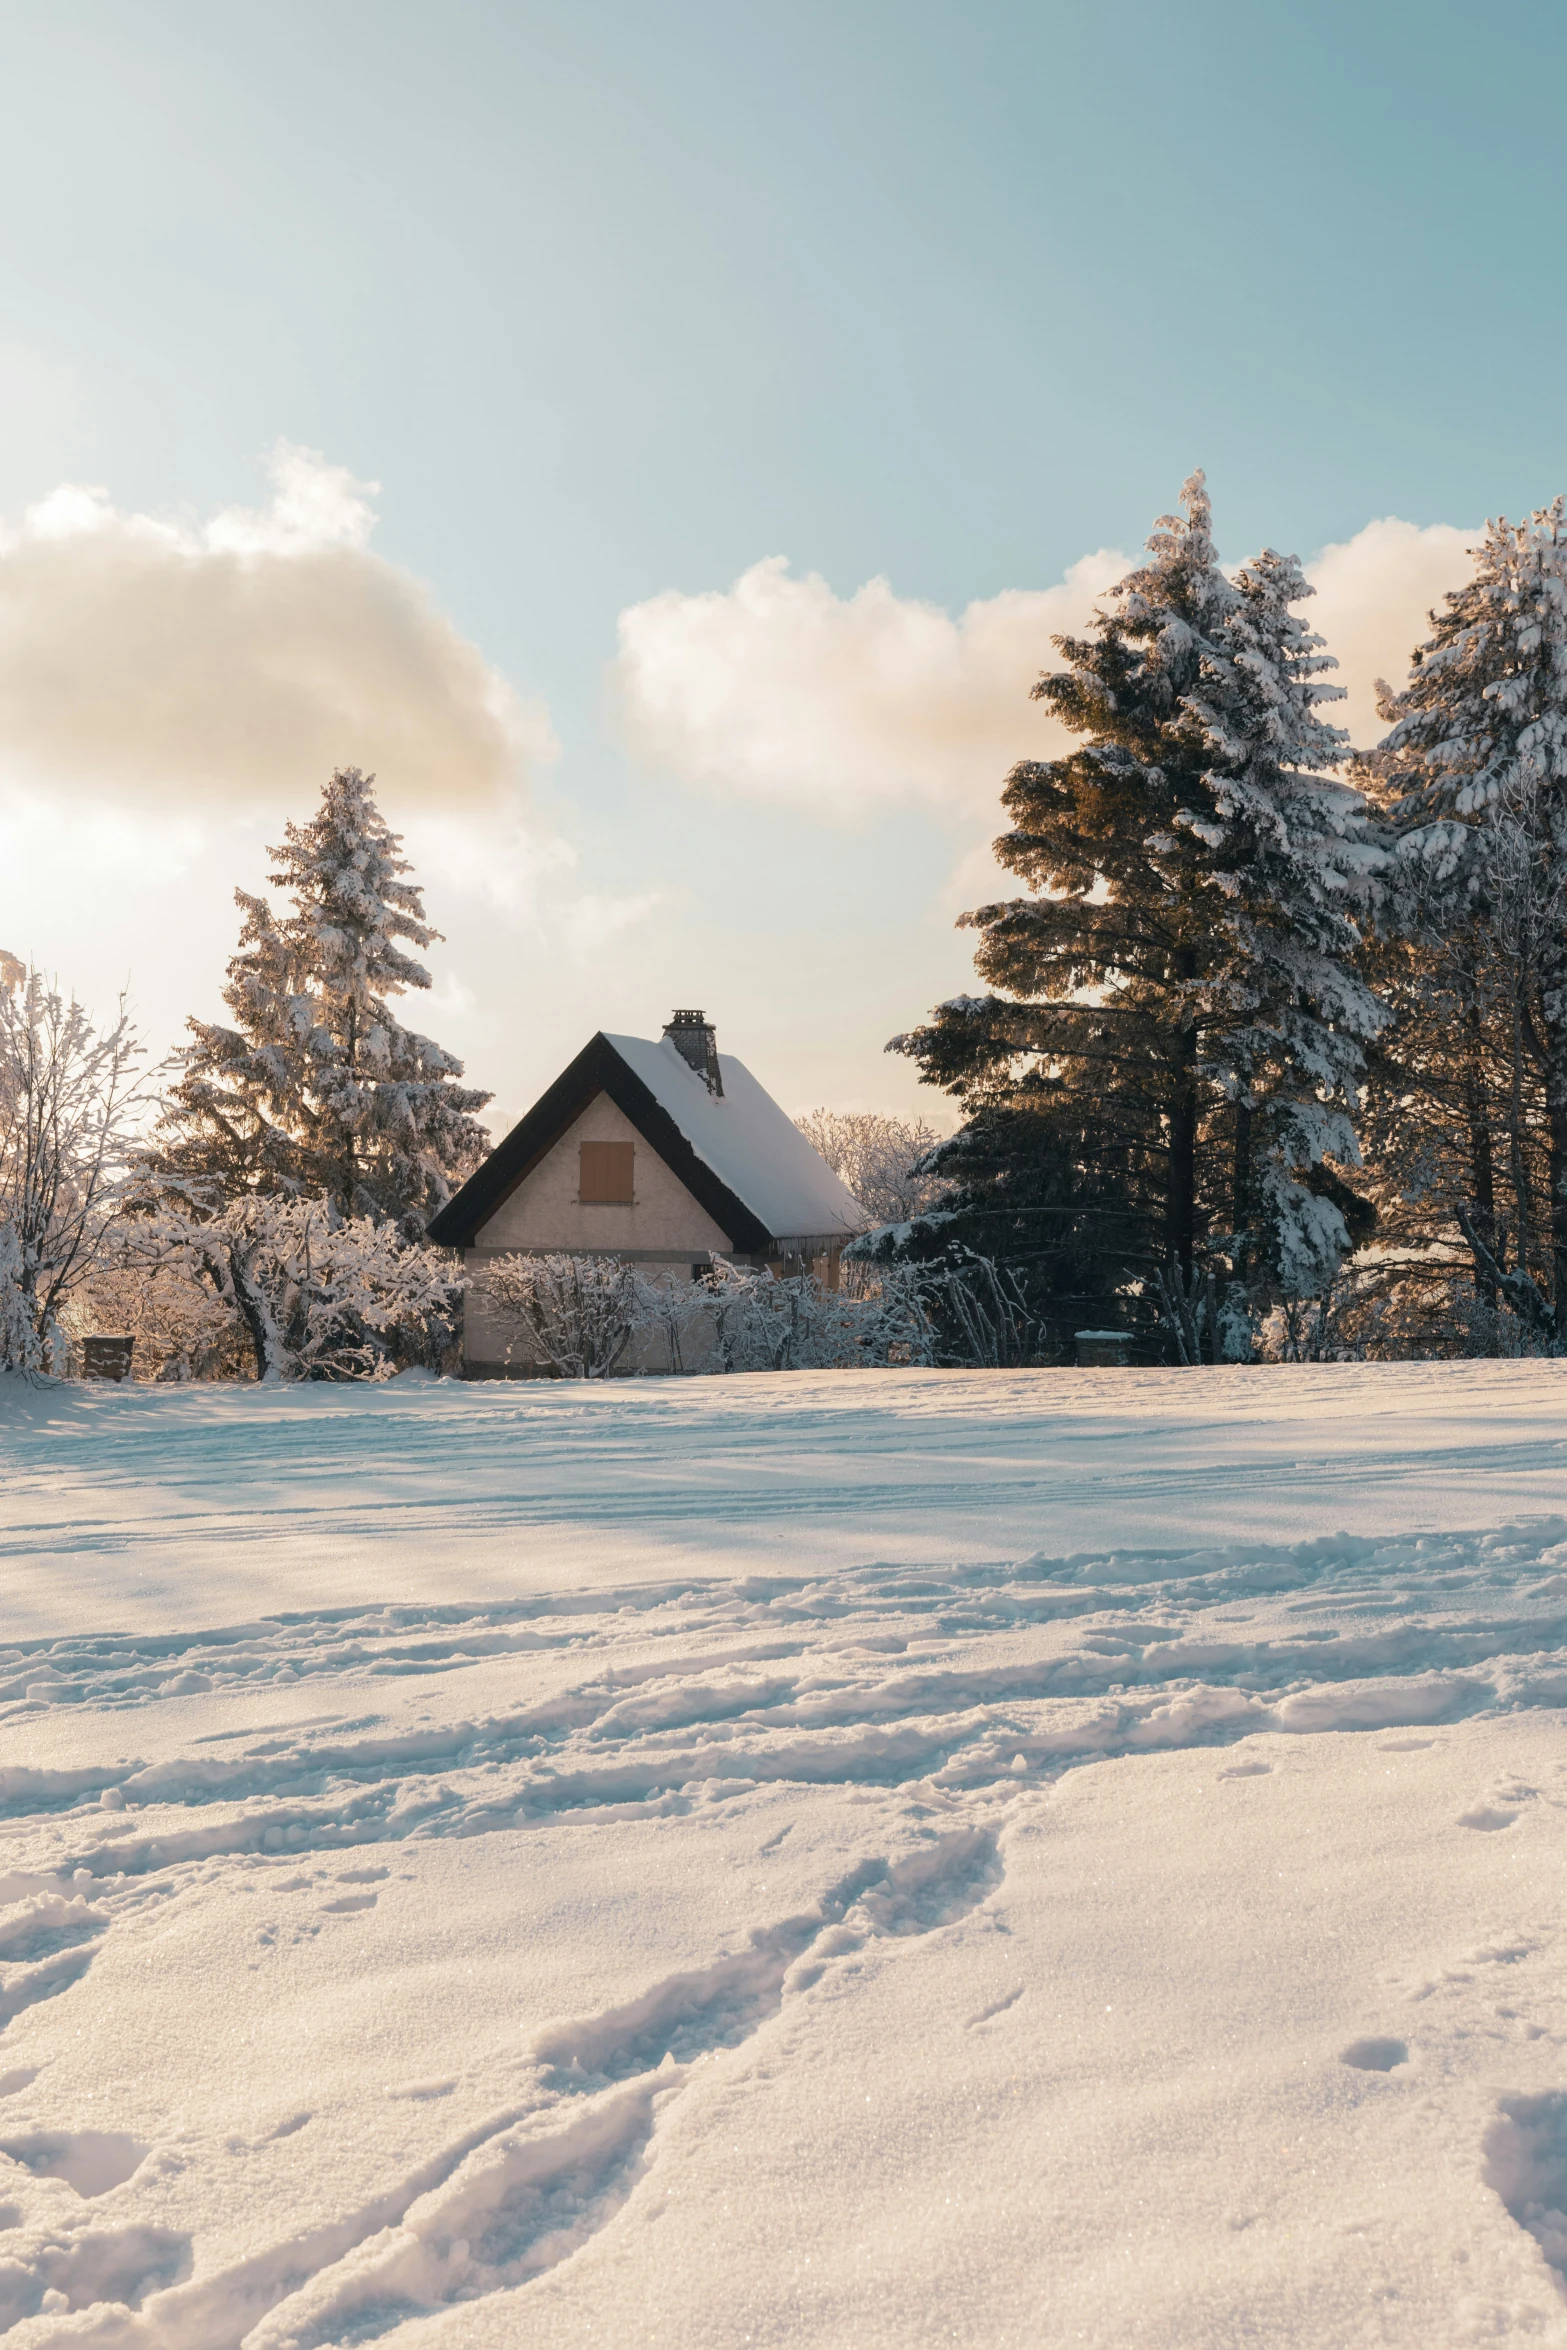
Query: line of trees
[1273, 1053]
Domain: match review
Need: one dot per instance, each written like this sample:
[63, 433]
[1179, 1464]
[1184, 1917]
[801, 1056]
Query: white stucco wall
[545, 1212]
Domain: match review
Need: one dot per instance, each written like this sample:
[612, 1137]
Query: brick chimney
[694, 1038]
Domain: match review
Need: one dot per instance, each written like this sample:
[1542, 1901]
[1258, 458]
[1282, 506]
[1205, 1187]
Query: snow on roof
[747, 1141]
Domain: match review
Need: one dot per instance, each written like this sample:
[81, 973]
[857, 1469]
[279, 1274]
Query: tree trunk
[350, 1174]
[1482, 1168]
[1240, 1203]
[1556, 1114]
[1517, 1155]
[1180, 1213]
[254, 1311]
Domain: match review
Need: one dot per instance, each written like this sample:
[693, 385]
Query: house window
[604, 1177]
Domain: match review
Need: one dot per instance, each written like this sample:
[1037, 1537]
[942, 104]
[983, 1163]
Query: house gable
[546, 1208]
[597, 1070]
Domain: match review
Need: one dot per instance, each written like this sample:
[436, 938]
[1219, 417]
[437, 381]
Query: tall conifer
[317, 1087]
[1173, 1034]
[1474, 773]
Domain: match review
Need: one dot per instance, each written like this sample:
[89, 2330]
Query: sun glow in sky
[662, 442]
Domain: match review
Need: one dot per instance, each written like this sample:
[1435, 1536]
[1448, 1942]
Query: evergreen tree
[1166, 1062]
[317, 1088]
[1474, 776]
[1288, 1008]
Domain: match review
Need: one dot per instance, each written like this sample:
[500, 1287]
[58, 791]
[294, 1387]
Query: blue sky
[616, 300]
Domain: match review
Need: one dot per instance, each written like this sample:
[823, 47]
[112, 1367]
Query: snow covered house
[662, 1154]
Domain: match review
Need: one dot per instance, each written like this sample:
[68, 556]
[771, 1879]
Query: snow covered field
[823, 1860]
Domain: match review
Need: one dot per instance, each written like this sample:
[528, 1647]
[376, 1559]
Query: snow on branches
[320, 1296]
[575, 1317]
[318, 1087]
[72, 1102]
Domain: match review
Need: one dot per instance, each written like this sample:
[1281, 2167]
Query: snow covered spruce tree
[317, 1089]
[1162, 1078]
[1474, 777]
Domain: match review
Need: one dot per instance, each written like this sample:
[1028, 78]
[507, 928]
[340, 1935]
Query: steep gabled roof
[737, 1154]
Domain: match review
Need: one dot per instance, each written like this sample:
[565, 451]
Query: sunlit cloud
[779, 689]
[1374, 594]
[234, 662]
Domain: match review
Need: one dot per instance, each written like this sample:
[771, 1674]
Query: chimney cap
[693, 1036]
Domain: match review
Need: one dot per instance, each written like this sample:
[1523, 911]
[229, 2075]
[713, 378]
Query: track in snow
[964, 1688]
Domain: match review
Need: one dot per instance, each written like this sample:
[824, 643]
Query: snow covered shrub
[71, 1103]
[975, 1312]
[589, 1317]
[1388, 1306]
[320, 1296]
[982, 1312]
[760, 1323]
[577, 1314]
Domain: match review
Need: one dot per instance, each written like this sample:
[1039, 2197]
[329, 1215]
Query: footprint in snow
[1499, 1810]
[89, 2161]
[986, 2015]
[1374, 2055]
[1524, 2163]
[506, 2204]
[59, 2270]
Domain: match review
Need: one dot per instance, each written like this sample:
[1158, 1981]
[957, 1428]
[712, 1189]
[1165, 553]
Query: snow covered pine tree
[318, 1089]
[1168, 1062]
[1474, 775]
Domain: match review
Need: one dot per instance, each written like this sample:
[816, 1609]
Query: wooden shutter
[605, 1173]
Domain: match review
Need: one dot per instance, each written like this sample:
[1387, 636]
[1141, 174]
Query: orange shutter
[605, 1173]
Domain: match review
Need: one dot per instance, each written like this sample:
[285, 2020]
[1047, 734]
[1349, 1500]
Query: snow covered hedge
[589, 1317]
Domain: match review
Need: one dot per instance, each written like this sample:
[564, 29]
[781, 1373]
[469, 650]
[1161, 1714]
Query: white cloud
[1374, 592]
[237, 662]
[779, 689]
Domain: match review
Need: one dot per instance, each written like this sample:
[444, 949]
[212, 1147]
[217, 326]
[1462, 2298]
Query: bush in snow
[577, 1314]
[71, 1105]
[975, 1313]
[587, 1317]
[319, 1296]
[759, 1323]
